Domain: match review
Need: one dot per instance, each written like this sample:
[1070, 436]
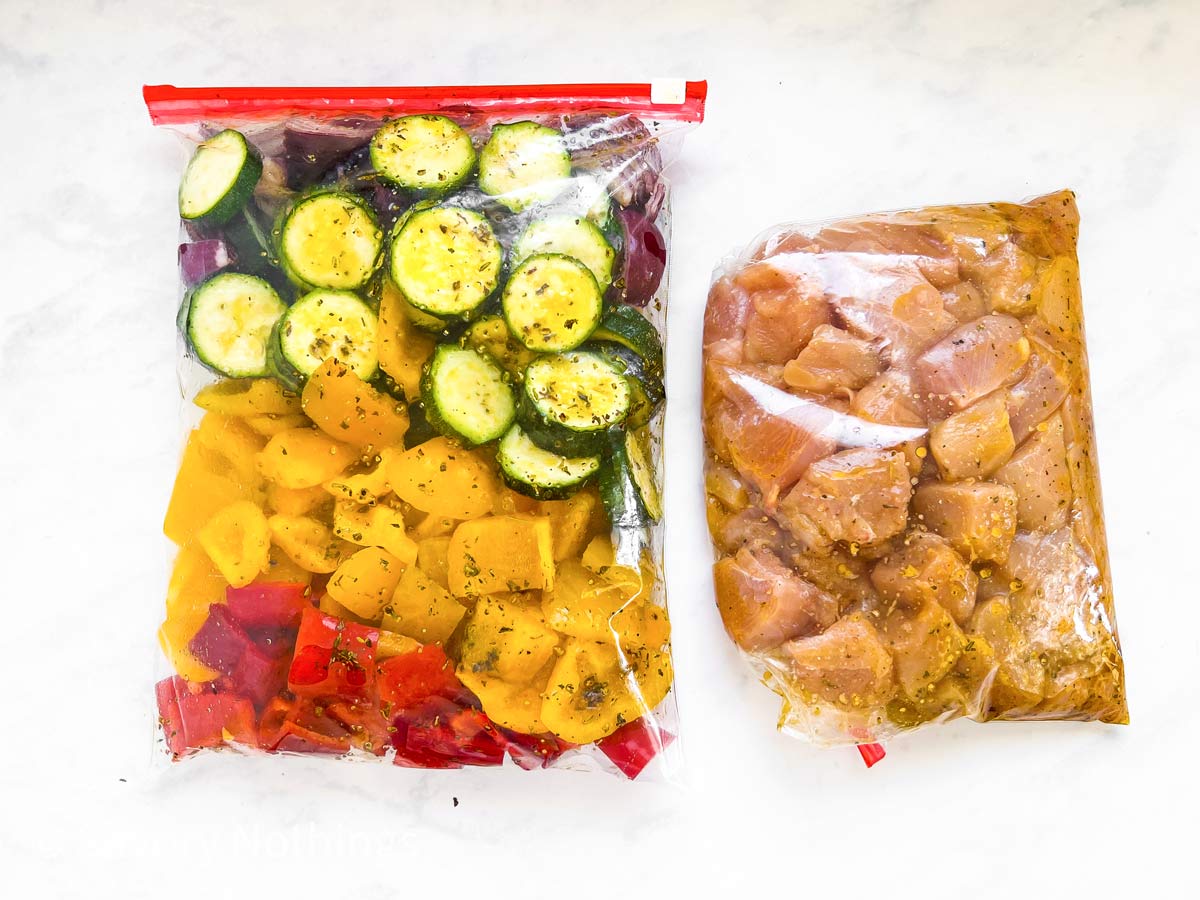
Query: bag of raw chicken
[901, 472]
[416, 517]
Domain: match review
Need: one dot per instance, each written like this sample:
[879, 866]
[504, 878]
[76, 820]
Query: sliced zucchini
[491, 337]
[523, 163]
[618, 492]
[466, 395]
[324, 324]
[639, 457]
[229, 322]
[587, 196]
[446, 261]
[646, 387]
[331, 240]
[569, 401]
[573, 236]
[529, 469]
[219, 178]
[626, 326]
[423, 153]
[552, 303]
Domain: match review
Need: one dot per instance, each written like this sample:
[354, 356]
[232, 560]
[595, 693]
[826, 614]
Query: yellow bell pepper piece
[506, 640]
[432, 526]
[365, 487]
[238, 542]
[296, 501]
[509, 503]
[304, 457]
[280, 567]
[598, 556]
[642, 625]
[653, 673]
[248, 397]
[571, 521]
[501, 553]
[582, 604]
[422, 609]
[270, 425]
[393, 644]
[515, 706]
[443, 479]
[375, 526]
[233, 440]
[403, 348]
[206, 482]
[433, 559]
[348, 409]
[589, 694]
[194, 586]
[309, 544]
[365, 582]
[331, 607]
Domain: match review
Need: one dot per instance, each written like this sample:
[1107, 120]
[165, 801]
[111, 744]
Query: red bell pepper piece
[871, 753]
[195, 716]
[254, 670]
[632, 746]
[273, 605]
[334, 658]
[534, 751]
[221, 641]
[365, 724]
[408, 680]
[299, 726]
[440, 732]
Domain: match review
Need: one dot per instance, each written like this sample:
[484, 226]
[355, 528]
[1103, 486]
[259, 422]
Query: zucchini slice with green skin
[530, 470]
[570, 400]
[490, 336]
[646, 387]
[618, 491]
[429, 153]
[552, 303]
[219, 178]
[626, 326]
[324, 324]
[466, 395]
[230, 318]
[523, 163]
[446, 261]
[640, 459]
[572, 236]
[331, 239]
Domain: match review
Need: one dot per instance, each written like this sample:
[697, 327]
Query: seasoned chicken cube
[973, 360]
[925, 569]
[847, 664]
[834, 360]
[1019, 680]
[764, 603]
[857, 496]
[905, 317]
[785, 310]
[725, 321]
[751, 528]
[1008, 277]
[891, 399]
[973, 443]
[925, 645]
[1037, 395]
[845, 575]
[965, 302]
[1039, 474]
[978, 518]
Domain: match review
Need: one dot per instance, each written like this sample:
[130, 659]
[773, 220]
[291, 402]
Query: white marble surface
[816, 109]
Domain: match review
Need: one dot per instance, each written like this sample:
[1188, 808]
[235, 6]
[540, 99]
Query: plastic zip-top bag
[901, 472]
[416, 515]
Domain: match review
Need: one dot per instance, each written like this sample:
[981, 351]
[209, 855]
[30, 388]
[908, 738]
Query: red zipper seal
[170, 105]
[871, 753]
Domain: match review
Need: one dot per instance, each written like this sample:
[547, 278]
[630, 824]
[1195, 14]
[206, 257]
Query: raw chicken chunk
[973, 443]
[763, 603]
[1018, 680]
[978, 518]
[925, 645]
[1036, 396]
[925, 569]
[857, 496]
[973, 360]
[1039, 475]
[846, 664]
[1008, 278]
[785, 309]
[834, 360]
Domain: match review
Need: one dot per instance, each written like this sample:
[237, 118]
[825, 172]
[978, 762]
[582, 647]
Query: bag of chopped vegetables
[901, 472]
[417, 515]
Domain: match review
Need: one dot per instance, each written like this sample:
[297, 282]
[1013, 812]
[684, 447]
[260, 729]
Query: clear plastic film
[901, 473]
[417, 515]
